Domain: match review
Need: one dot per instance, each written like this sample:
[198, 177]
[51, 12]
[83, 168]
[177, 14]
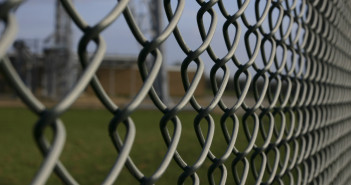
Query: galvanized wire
[297, 74]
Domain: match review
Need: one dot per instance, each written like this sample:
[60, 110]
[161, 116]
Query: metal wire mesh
[298, 67]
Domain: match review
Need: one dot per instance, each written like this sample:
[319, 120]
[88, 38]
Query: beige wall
[127, 82]
[176, 86]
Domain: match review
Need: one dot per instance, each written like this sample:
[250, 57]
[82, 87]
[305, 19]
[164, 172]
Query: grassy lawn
[89, 153]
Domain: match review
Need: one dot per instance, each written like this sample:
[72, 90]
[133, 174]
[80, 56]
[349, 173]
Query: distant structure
[52, 71]
[60, 67]
[149, 17]
[27, 63]
[120, 77]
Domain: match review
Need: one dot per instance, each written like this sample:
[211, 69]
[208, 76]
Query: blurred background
[44, 55]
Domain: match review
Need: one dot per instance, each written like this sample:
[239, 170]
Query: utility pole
[161, 83]
[150, 21]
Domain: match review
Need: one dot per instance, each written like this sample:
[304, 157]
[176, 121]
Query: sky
[36, 21]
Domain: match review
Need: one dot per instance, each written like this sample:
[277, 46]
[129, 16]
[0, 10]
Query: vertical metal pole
[62, 59]
[161, 83]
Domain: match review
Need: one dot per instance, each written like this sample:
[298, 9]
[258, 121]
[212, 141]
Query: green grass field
[89, 153]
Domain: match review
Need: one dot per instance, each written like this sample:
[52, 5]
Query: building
[120, 77]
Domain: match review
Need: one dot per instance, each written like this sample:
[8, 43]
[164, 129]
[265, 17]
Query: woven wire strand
[297, 126]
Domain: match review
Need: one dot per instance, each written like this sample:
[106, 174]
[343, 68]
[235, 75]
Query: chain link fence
[297, 74]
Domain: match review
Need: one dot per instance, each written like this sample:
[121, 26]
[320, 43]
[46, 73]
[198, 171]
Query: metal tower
[61, 70]
[150, 19]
